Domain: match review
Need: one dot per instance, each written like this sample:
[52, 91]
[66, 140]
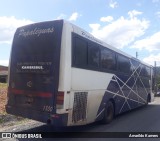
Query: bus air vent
[79, 106]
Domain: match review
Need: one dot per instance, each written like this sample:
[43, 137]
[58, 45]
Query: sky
[129, 25]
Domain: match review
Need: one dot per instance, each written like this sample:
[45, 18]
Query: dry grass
[6, 119]
[3, 97]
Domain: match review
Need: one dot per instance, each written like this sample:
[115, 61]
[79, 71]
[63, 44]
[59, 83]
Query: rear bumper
[53, 119]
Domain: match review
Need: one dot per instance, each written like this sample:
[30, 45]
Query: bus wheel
[108, 113]
[148, 99]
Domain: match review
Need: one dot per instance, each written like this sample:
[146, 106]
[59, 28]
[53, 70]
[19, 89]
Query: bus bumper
[53, 119]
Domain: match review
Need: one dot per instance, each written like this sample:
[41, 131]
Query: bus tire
[148, 98]
[108, 113]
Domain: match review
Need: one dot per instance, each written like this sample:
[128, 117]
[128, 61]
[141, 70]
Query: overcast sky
[130, 25]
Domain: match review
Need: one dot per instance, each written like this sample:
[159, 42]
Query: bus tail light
[60, 99]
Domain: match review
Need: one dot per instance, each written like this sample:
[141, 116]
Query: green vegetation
[1, 120]
[158, 77]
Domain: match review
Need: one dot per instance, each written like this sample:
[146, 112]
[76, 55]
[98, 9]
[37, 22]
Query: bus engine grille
[79, 106]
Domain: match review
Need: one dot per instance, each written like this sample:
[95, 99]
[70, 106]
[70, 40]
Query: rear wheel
[108, 113]
[148, 99]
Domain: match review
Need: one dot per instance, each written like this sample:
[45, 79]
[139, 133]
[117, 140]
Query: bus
[62, 75]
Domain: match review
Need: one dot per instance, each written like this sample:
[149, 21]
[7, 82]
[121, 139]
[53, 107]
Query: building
[3, 74]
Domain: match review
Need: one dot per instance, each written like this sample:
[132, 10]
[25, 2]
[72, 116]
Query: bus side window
[135, 67]
[80, 52]
[93, 56]
[148, 71]
[108, 59]
[124, 64]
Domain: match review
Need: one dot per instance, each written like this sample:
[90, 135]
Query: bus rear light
[60, 98]
[29, 93]
[55, 116]
[15, 91]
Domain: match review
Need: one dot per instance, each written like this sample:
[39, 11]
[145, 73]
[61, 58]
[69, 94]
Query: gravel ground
[8, 120]
[21, 126]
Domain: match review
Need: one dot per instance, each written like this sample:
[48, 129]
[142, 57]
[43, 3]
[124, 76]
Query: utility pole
[155, 77]
[136, 54]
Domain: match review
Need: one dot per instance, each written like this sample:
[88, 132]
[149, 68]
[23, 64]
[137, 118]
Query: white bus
[62, 75]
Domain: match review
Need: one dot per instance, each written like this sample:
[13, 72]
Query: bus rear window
[34, 64]
[36, 48]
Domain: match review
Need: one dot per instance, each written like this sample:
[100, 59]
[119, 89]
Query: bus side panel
[88, 88]
[127, 92]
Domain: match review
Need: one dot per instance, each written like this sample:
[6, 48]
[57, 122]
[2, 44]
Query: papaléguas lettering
[36, 31]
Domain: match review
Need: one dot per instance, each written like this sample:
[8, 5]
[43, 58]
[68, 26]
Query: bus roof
[89, 36]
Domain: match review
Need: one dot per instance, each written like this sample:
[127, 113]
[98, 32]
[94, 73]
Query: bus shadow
[97, 126]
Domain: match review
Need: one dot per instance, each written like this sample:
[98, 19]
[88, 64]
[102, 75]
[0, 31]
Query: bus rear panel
[34, 71]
